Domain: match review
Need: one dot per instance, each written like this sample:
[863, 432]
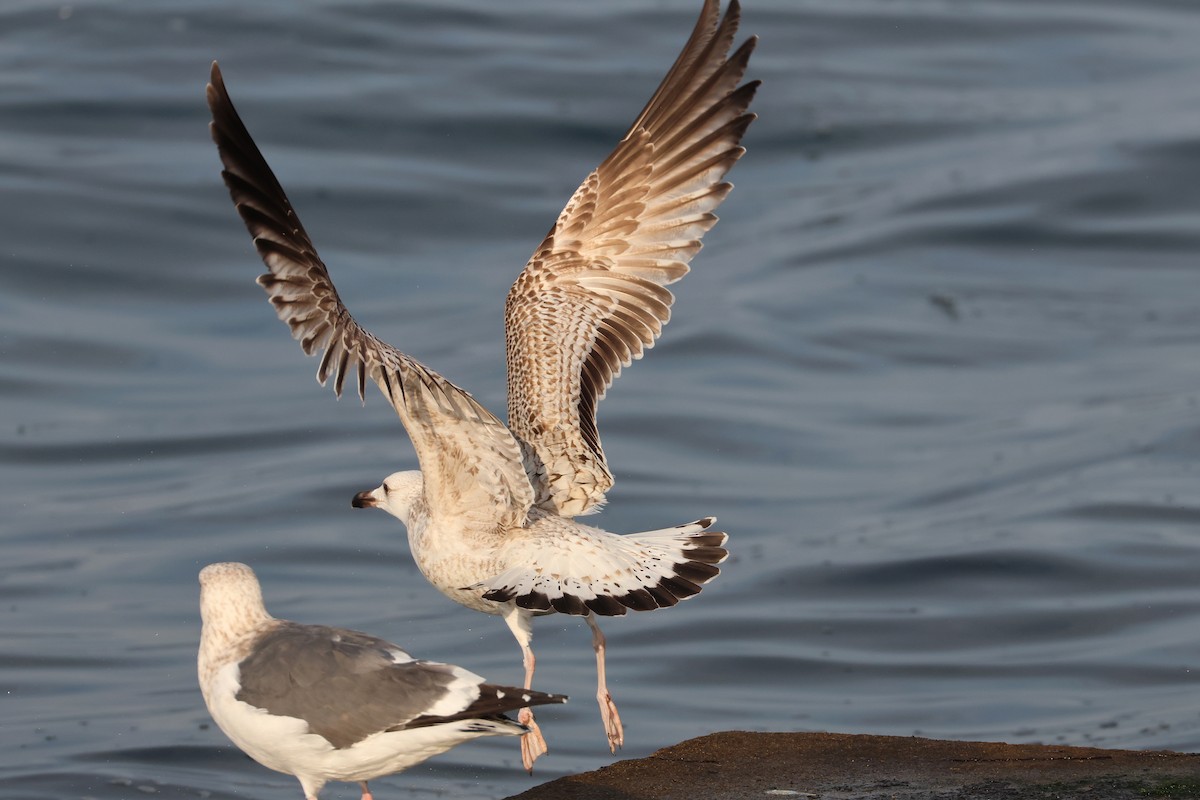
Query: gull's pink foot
[533, 744]
[612, 721]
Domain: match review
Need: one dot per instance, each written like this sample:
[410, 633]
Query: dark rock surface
[736, 765]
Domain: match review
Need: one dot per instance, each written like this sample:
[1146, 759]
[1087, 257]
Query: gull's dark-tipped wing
[469, 460]
[349, 685]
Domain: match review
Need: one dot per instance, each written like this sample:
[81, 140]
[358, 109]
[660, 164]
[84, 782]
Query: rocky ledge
[736, 765]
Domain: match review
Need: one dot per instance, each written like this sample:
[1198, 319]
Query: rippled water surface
[936, 371]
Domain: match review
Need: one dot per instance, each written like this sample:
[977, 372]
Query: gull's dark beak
[364, 500]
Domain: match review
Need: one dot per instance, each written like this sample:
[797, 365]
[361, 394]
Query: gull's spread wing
[470, 462]
[592, 297]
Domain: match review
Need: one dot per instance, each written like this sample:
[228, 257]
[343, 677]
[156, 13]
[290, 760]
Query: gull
[330, 704]
[491, 513]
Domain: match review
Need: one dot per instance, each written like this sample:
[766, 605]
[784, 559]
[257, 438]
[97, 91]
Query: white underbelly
[454, 568]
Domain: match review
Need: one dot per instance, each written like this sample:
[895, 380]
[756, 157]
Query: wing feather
[471, 464]
[592, 298]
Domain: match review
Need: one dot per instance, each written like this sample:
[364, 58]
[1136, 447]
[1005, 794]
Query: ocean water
[936, 371]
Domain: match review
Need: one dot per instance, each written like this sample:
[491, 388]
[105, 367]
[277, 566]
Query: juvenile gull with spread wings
[490, 513]
[330, 704]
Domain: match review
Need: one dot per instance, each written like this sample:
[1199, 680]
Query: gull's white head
[396, 495]
[230, 597]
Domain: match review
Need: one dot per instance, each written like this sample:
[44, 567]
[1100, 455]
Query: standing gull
[330, 704]
[490, 513]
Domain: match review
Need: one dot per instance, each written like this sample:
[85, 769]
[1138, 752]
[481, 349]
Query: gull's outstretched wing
[470, 462]
[592, 297]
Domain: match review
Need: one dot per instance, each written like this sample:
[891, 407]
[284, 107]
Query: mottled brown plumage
[592, 297]
[489, 515]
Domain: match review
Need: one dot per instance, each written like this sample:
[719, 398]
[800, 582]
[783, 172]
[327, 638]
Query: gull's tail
[592, 571]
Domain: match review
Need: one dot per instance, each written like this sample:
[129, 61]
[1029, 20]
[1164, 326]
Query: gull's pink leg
[366, 795]
[608, 709]
[533, 744]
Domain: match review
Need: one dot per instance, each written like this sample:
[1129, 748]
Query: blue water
[937, 370]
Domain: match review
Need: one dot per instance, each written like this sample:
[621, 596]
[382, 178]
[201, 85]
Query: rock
[736, 765]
